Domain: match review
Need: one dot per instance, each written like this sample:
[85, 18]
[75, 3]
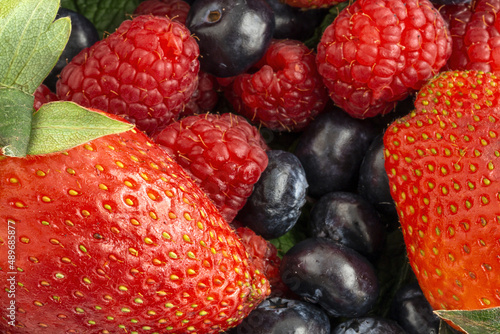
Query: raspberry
[204, 98]
[176, 10]
[43, 95]
[224, 154]
[312, 3]
[285, 92]
[377, 52]
[146, 71]
[457, 17]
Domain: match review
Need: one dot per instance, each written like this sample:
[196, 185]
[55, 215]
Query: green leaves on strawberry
[443, 164]
[113, 236]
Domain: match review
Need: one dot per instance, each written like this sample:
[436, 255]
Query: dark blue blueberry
[331, 150]
[413, 312]
[83, 35]
[232, 34]
[332, 275]
[373, 183]
[368, 325]
[286, 316]
[295, 23]
[349, 219]
[275, 204]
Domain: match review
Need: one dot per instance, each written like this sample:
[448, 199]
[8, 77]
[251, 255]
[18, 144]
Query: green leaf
[474, 321]
[59, 126]
[31, 42]
[333, 12]
[16, 108]
[106, 15]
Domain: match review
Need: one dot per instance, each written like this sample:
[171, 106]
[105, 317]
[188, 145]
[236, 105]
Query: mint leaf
[59, 126]
[16, 108]
[474, 321]
[106, 15]
[30, 42]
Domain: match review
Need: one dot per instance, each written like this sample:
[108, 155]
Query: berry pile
[264, 166]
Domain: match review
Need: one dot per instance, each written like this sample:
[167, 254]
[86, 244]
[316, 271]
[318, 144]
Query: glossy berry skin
[83, 35]
[368, 325]
[284, 92]
[373, 183]
[349, 219]
[331, 150]
[294, 23]
[332, 275]
[176, 10]
[232, 34]
[376, 53]
[413, 312]
[146, 71]
[112, 235]
[278, 197]
[442, 165]
[277, 315]
[224, 154]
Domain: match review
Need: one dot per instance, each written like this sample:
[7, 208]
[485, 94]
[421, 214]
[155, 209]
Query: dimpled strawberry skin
[145, 71]
[224, 154]
[377, 52]
[285, 93]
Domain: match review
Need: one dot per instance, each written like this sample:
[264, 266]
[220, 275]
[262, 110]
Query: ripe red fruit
[43, 95]
[377, 52]
[176, 10]
[284, 92]
[146, 71]
[312, 3]
[225, 156]
[442, 161]
[112, 236]
[204, 98]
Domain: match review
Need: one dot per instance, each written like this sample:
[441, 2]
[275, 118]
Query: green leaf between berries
[58, 126]
[16, 108]
[474, 321]
[106, 15]
[31, 42]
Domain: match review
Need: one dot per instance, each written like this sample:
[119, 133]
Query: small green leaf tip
[31, 42]
[59, 126]
[474, 321]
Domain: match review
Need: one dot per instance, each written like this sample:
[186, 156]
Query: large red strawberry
[377, 52]
[111, 237]
[442, 161]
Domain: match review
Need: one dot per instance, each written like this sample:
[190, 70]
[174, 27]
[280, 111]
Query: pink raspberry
[377, 52]
[43, 95]
[146, 71]
[224, 154]
[284, 91]
[204, 98]
[176, 10]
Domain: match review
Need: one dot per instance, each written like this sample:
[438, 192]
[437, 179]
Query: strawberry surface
[112, 236]
[442, 161]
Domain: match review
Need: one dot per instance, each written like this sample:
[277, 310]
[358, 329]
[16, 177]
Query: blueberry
[83, 35]
[294, 23]
[232, 34]
[368, 325]
[332, 275]
[276, 201]
[413, 312]
[331, 150]
[349, 219]
[276, 315]
[373, 183]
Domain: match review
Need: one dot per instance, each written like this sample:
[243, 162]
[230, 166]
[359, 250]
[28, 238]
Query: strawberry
[112, 236]
[442, 161]
[378, 52]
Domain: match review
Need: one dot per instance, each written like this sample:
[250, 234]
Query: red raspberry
[176, 10]
[146, 71]
[224, 154]
[285, 92]
[377, 52]
[457, 17]
[42, 95]
[312, 3]
[204, 98]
